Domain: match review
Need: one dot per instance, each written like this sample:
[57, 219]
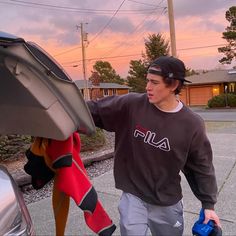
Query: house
[207, 85]
[99, 90]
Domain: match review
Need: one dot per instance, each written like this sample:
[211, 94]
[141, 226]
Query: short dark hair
[168, 81]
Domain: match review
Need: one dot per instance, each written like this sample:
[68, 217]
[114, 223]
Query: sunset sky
[117, 29]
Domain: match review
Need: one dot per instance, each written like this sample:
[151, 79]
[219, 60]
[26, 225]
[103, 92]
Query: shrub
[222, 100]
[217, 101]
[14, 146]
[232, 100]
[89, 143]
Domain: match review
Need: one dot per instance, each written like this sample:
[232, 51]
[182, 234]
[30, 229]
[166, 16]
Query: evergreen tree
[155, 46]
[230, 36]
[137, 76]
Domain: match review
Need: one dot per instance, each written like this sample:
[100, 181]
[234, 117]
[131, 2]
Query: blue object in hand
[209, 229]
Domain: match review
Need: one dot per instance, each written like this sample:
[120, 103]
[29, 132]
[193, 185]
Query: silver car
[14, 216]
[37, 98]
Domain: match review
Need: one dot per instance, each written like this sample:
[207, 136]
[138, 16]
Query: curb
[103, 155]
[23, 179]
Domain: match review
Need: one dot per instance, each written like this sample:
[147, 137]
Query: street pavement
[223, 140]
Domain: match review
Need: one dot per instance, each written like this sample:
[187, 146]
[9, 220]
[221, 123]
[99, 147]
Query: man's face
[157, 91]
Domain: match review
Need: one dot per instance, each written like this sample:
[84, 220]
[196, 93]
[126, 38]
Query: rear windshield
[44, 58]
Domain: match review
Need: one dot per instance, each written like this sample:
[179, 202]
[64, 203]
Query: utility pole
[83, 40]
[172, 28]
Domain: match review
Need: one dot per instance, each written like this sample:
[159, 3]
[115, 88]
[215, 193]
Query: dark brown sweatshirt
[152, 147]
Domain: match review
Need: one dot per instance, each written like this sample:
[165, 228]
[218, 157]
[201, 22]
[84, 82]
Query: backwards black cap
[168, 67]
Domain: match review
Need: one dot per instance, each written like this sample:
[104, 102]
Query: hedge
[222, 100]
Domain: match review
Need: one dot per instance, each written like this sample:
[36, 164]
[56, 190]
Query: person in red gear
[70, 180]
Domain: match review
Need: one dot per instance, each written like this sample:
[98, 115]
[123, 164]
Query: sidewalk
[224, 149]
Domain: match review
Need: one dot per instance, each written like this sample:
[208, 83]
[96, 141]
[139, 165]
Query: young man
[156, 137]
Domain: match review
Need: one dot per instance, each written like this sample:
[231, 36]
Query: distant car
[37, 98]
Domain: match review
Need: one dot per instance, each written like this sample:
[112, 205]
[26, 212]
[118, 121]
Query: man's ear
[175, 85]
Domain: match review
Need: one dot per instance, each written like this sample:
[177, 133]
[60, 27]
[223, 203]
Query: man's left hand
[211, 215]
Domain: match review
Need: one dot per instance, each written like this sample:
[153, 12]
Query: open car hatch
[37, 97]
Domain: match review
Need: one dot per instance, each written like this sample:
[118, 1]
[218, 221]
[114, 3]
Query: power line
[147, 4]
[139, 27]
[69, 50]
[77, 65]
[100, 58]
[38, 5]
[96, 36]
[139, 54]
[108, 23]
[66, 8]
[208, 46]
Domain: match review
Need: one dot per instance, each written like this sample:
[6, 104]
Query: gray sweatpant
[137, 216]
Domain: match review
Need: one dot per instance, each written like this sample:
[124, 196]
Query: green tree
[230, 36]
[190, 72]
[136, 77]
[106, 73]
[155, 46]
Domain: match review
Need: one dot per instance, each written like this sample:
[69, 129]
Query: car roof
[37, 97]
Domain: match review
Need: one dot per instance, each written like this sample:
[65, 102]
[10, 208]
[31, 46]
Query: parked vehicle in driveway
[14, 216]
[37, 98]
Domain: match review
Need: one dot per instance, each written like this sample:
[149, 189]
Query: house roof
[112, 86]
[81, 85]
[213, 77]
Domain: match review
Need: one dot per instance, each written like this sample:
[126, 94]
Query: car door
[37, 97]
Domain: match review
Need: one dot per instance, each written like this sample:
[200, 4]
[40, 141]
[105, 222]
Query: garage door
[200, 96]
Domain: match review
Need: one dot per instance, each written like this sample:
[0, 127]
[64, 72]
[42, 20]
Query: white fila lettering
[149, 137]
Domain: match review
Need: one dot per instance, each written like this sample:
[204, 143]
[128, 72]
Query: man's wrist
[208, 205]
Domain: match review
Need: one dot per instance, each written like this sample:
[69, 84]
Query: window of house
[232, 87]
[113, 91]
[105, 92]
